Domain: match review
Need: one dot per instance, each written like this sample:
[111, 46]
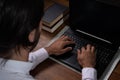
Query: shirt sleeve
[89, 74]
[38, 56]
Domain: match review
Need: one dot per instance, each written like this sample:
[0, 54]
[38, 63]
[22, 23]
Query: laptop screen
[97, 18]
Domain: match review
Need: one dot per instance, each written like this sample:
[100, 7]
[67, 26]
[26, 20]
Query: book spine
[51, 30]
[52, 23]
[54, 28]
[57, 19]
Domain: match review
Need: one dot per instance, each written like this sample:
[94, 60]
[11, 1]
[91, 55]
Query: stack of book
[54, 17]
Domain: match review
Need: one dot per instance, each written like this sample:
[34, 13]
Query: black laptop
[95, 23]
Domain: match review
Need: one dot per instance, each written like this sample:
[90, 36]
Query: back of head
[17, 19]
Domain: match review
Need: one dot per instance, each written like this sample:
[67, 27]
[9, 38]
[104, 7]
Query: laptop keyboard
[103, 55]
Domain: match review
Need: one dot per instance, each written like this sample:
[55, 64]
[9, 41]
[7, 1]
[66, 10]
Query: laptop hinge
[94, 36]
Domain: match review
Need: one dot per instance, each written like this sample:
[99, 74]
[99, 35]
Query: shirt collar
[17, 66]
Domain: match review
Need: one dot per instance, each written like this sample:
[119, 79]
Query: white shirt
[19, 70]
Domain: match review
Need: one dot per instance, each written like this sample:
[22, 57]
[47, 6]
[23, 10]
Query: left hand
[86, 56]
[58, 47]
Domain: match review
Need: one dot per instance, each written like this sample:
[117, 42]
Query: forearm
[38, 56]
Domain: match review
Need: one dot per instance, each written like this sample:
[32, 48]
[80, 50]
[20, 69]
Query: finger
[78, 55]
[62, 36]
[88, 47]
[66, 49]
[68, 42]
[92, 49]
[66, 38]
[83, 49]
[78, 51]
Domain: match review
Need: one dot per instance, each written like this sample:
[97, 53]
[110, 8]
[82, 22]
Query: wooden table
[51, 70]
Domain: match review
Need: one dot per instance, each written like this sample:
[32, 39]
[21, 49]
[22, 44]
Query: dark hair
[17, 19]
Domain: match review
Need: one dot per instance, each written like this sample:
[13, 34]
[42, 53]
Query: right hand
[86, 56]
[58, 47]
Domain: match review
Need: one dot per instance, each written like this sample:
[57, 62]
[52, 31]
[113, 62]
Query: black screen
[97, 18]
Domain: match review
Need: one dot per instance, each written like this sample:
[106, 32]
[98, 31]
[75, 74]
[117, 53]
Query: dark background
[100, 18]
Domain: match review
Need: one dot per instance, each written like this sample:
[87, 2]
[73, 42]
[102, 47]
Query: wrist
[90, 66]
[48, 50]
